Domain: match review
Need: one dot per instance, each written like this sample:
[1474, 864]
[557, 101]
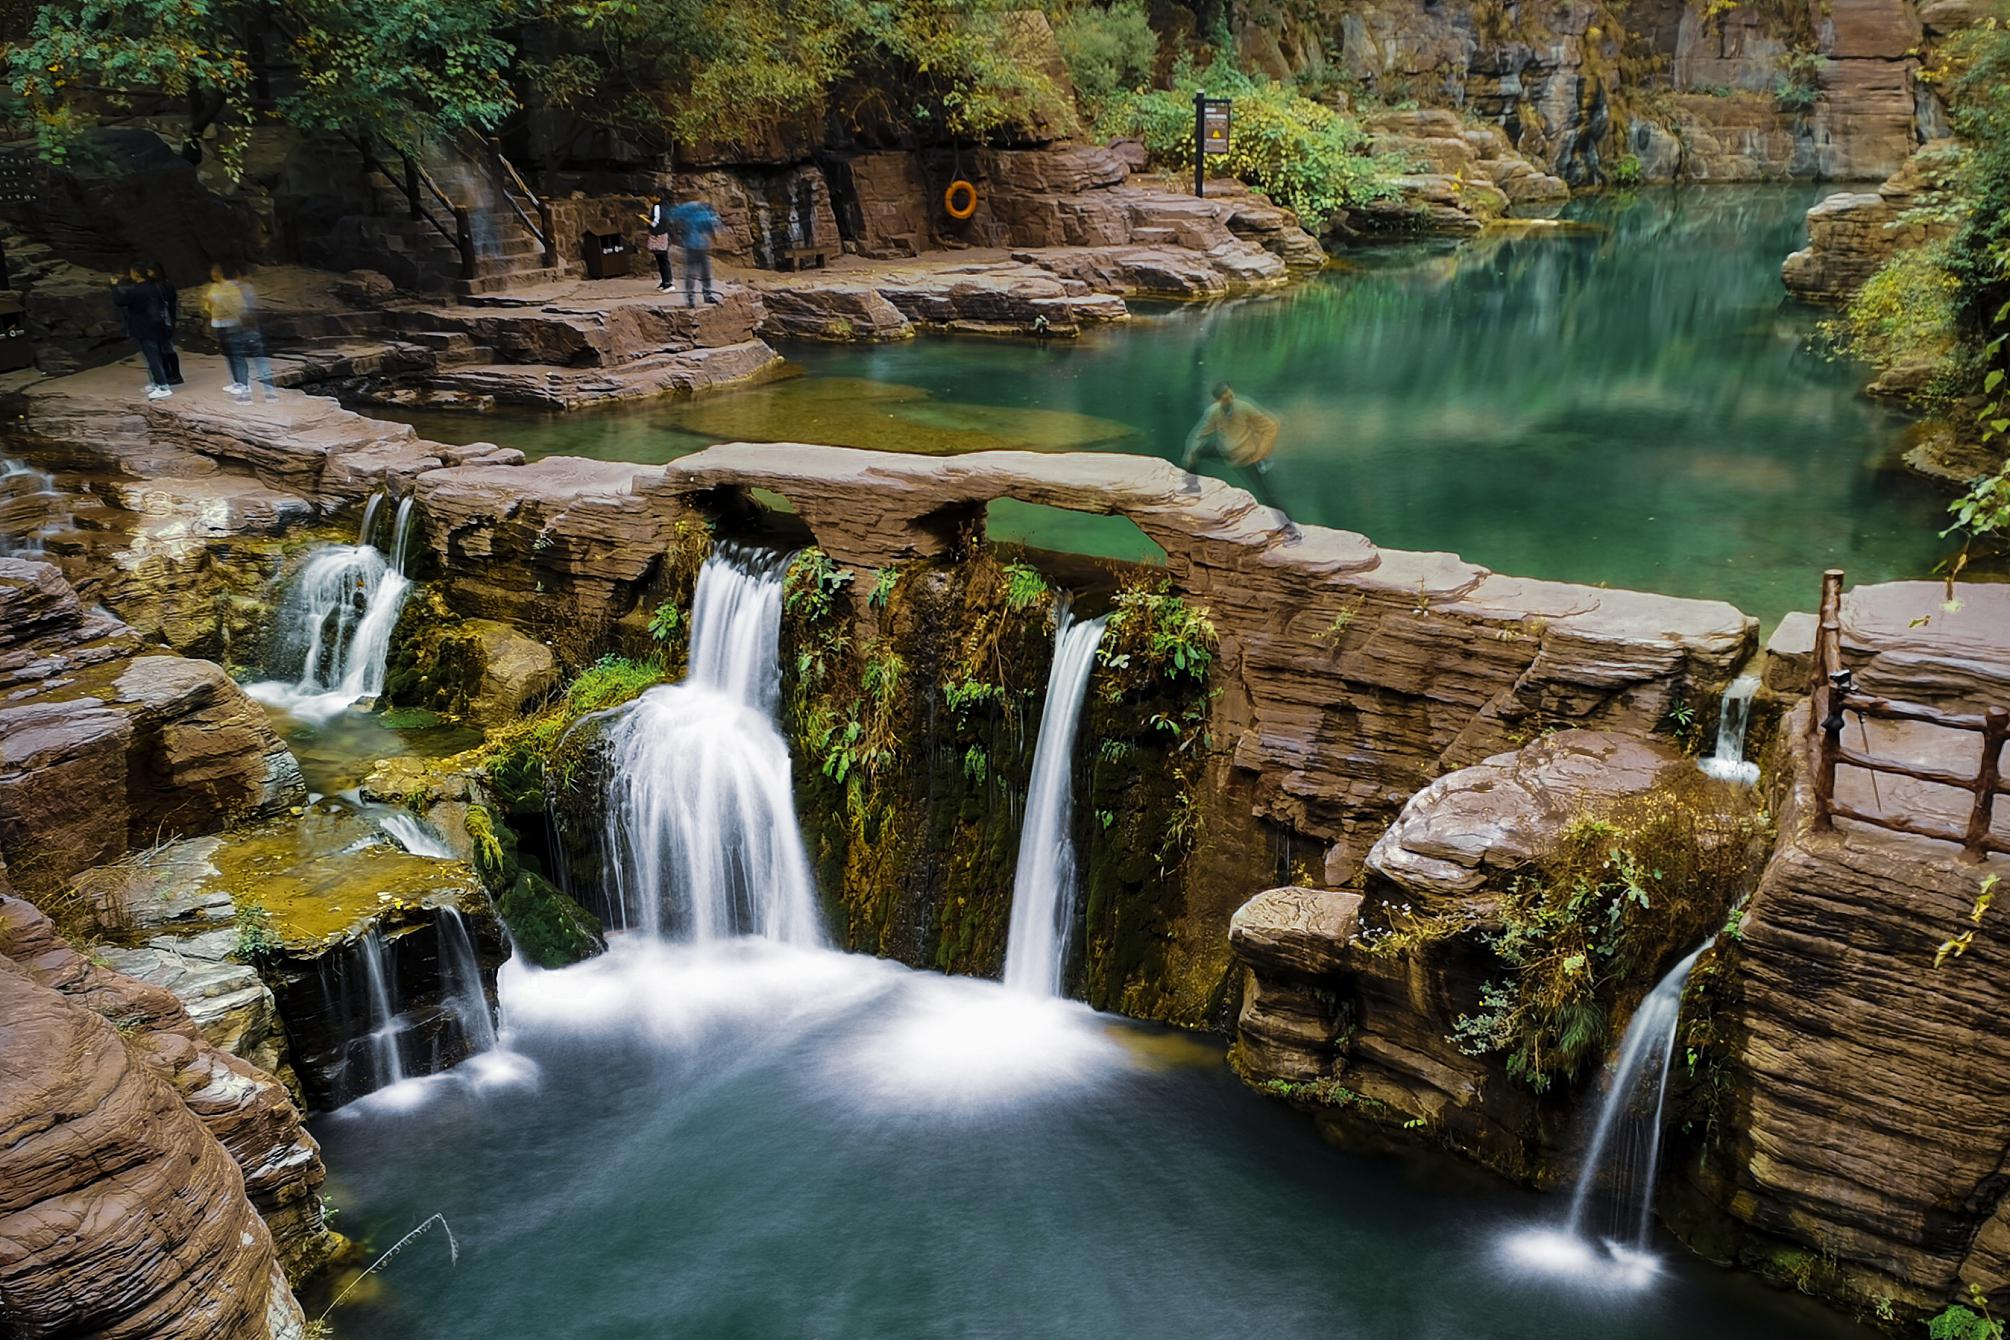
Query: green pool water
[1632, 401]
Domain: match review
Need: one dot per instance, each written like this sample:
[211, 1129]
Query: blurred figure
[170, 356]
[145, 309]
[659, 239]
[232, 308]
[695, 222]
[1243, 437]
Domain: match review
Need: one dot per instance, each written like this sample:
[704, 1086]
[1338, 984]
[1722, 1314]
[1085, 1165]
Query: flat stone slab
[1303, 931]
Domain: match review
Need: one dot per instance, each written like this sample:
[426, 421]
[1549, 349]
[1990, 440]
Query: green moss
[551, 929]
[1624, 890]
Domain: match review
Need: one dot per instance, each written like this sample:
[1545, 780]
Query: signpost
[1210, 135]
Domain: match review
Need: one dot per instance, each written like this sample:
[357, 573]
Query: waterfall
[461, 980]
[1043, 885]
[385, 1066]
[338, 619]
[1728, 763]
[1625, 1152]
[702, 837]
[412, 833]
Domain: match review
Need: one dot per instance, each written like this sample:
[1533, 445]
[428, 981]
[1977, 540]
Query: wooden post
[1824, 705]
[1200, 144]
[1995, 729]
[464, 238]
[412, 185]
[550, 238]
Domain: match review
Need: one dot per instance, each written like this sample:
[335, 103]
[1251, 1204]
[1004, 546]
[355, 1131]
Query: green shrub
[1303, 154]
[1620, 892]
[609, 682]
[1798, 86]
[1109, 49]
[1904, 313]
[1626, 170]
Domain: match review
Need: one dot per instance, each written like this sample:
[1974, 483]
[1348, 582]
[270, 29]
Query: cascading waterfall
[338, 619]
[461, 980]
[702, 838]
[1625, 1151]
[1727, 761]
[386, 1066]
[412, 833]
[1043, 885]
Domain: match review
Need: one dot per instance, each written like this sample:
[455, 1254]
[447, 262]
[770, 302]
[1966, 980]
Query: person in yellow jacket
[233, 320]
[1243, 437]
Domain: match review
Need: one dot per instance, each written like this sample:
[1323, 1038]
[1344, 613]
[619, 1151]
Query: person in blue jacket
[694, 222]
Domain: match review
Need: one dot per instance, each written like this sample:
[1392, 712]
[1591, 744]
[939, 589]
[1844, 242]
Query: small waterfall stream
[412, 833]
[1625, 1151]
[702, 838]
[386, 1066]
[1043, 885]
[1727, 761]
[337, 621]
[461, 981]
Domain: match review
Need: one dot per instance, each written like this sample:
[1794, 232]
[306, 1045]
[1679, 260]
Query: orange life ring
[960, 190]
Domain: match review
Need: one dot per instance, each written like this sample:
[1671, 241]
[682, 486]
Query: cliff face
[1865, 1132]
[151, 1185]
[1757, 92]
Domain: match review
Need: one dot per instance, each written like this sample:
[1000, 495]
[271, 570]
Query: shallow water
[1632, 404]
[748, 1140]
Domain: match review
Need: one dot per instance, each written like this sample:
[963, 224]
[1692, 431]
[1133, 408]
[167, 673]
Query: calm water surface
[751, 1141]
[1634, 403]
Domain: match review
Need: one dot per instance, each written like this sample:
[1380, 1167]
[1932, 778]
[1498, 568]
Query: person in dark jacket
[144, 305]
[659, 239]
[171, 356]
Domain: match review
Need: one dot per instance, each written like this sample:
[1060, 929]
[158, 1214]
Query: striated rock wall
[1864, 1123]
[151, 1185]
[105, 744]
[1853, 233]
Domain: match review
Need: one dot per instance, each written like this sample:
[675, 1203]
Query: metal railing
[522, 200]
[418, 186]
[1835, 693]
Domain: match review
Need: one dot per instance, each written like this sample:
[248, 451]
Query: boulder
[104, 743]
[247, 1116]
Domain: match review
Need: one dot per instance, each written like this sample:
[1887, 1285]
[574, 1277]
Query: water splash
[461, 980]
[1044, 884]
[386, 1066]
[1613, 1247]
[1727, 762]
[702, 835]
[337, 621]
[412, 833]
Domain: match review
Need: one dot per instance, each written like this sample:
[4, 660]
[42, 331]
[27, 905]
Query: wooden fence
[1835, 693]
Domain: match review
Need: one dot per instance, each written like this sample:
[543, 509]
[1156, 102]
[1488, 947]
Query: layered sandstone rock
[1467, 174]
[105, 744]
[1322, 1007]
[1872, 1127]
[1853, 233]
[193, 1131]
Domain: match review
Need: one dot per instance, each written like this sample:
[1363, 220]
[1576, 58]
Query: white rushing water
[386, 1066]
[1044, 883]
[461, 980]
[337, 621]
[1727, 760]
[703, 841]
[1623, 1161]
[412, 833]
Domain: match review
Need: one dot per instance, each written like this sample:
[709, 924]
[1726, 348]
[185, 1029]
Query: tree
[394, 69]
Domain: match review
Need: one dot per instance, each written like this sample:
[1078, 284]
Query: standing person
[1242, 436]
[170, 356]
[145, 309]
[659, 239]
[696, 222]
[231, 307]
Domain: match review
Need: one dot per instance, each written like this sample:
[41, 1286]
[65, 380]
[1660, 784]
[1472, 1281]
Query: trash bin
[608, 255]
